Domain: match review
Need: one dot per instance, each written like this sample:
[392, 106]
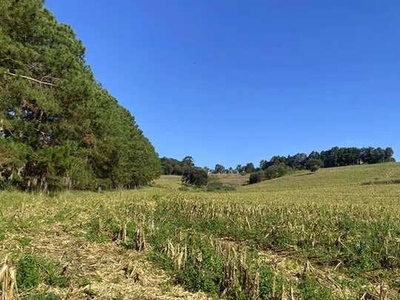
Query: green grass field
[303, 236]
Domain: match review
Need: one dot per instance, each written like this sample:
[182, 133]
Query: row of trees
[334, 157]
[58, 127]
[278, 166]
[172, 166]
[186, 168]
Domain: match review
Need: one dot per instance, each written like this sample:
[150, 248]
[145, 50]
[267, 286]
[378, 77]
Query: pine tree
[58, 127]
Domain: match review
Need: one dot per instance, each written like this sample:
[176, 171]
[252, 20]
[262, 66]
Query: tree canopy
[278, 166]
[58, 127]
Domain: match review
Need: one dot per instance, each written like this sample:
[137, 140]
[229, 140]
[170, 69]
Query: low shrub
[276, 171]
[195, 176]
[256, 177]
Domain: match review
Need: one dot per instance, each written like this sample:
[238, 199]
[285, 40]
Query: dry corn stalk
[178, 254]
[140, 241]
[383, 292]
[122, 233]
[8, 281]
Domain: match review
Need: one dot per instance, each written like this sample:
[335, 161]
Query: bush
[314, 165]
[195, 176]
[276, 171]
[256, 177]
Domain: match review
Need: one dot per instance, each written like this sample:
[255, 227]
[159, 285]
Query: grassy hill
[330, 177]
[304, 236]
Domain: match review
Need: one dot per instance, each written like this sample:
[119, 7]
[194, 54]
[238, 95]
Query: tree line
[335, 157]
[59, 129]
[278, 166]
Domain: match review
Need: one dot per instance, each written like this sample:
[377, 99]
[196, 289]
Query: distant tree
[277, 160]
[334, 157]
[249, 168]
[195, 176]
[297, 161]
[276, 171]
[256, 177]
[264, 164]
[314, 155]
[314, 165]
[219, 169]
[188, 162]
[389, 154]
[171, 166]
[239, 169]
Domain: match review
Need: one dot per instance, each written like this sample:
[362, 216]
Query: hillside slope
[329, 177]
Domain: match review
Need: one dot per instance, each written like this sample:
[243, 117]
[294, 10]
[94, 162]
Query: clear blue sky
[236, 81]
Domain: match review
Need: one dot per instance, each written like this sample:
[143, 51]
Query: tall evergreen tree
[58, 127]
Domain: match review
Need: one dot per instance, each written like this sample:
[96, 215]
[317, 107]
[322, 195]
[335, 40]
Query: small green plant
[28, 272]
[33, 270]
[25, 241]
[311, 289]
[83, 282]
[102, 229]
[48, 296]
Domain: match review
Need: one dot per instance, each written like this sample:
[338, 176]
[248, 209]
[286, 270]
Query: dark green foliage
[311, 289]
[172, 166]
[297, 161]
[33, 270]
[219, 169]
[276, 171]
[257, 177]
[314, 165]
[249, 168]
[102, 230]
[59, 128]
[48, 296]
[334, 157]
[28, 273]
[195, 176]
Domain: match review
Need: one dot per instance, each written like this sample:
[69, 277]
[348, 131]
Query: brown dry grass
[233, 179]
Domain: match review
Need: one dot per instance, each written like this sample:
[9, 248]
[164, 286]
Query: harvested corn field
[330, 238]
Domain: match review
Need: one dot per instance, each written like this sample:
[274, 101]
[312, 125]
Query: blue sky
[232, 82]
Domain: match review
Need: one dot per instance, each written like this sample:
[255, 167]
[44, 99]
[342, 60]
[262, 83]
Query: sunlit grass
[348, 232]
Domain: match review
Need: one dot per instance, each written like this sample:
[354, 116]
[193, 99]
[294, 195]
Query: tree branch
[31, 79]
